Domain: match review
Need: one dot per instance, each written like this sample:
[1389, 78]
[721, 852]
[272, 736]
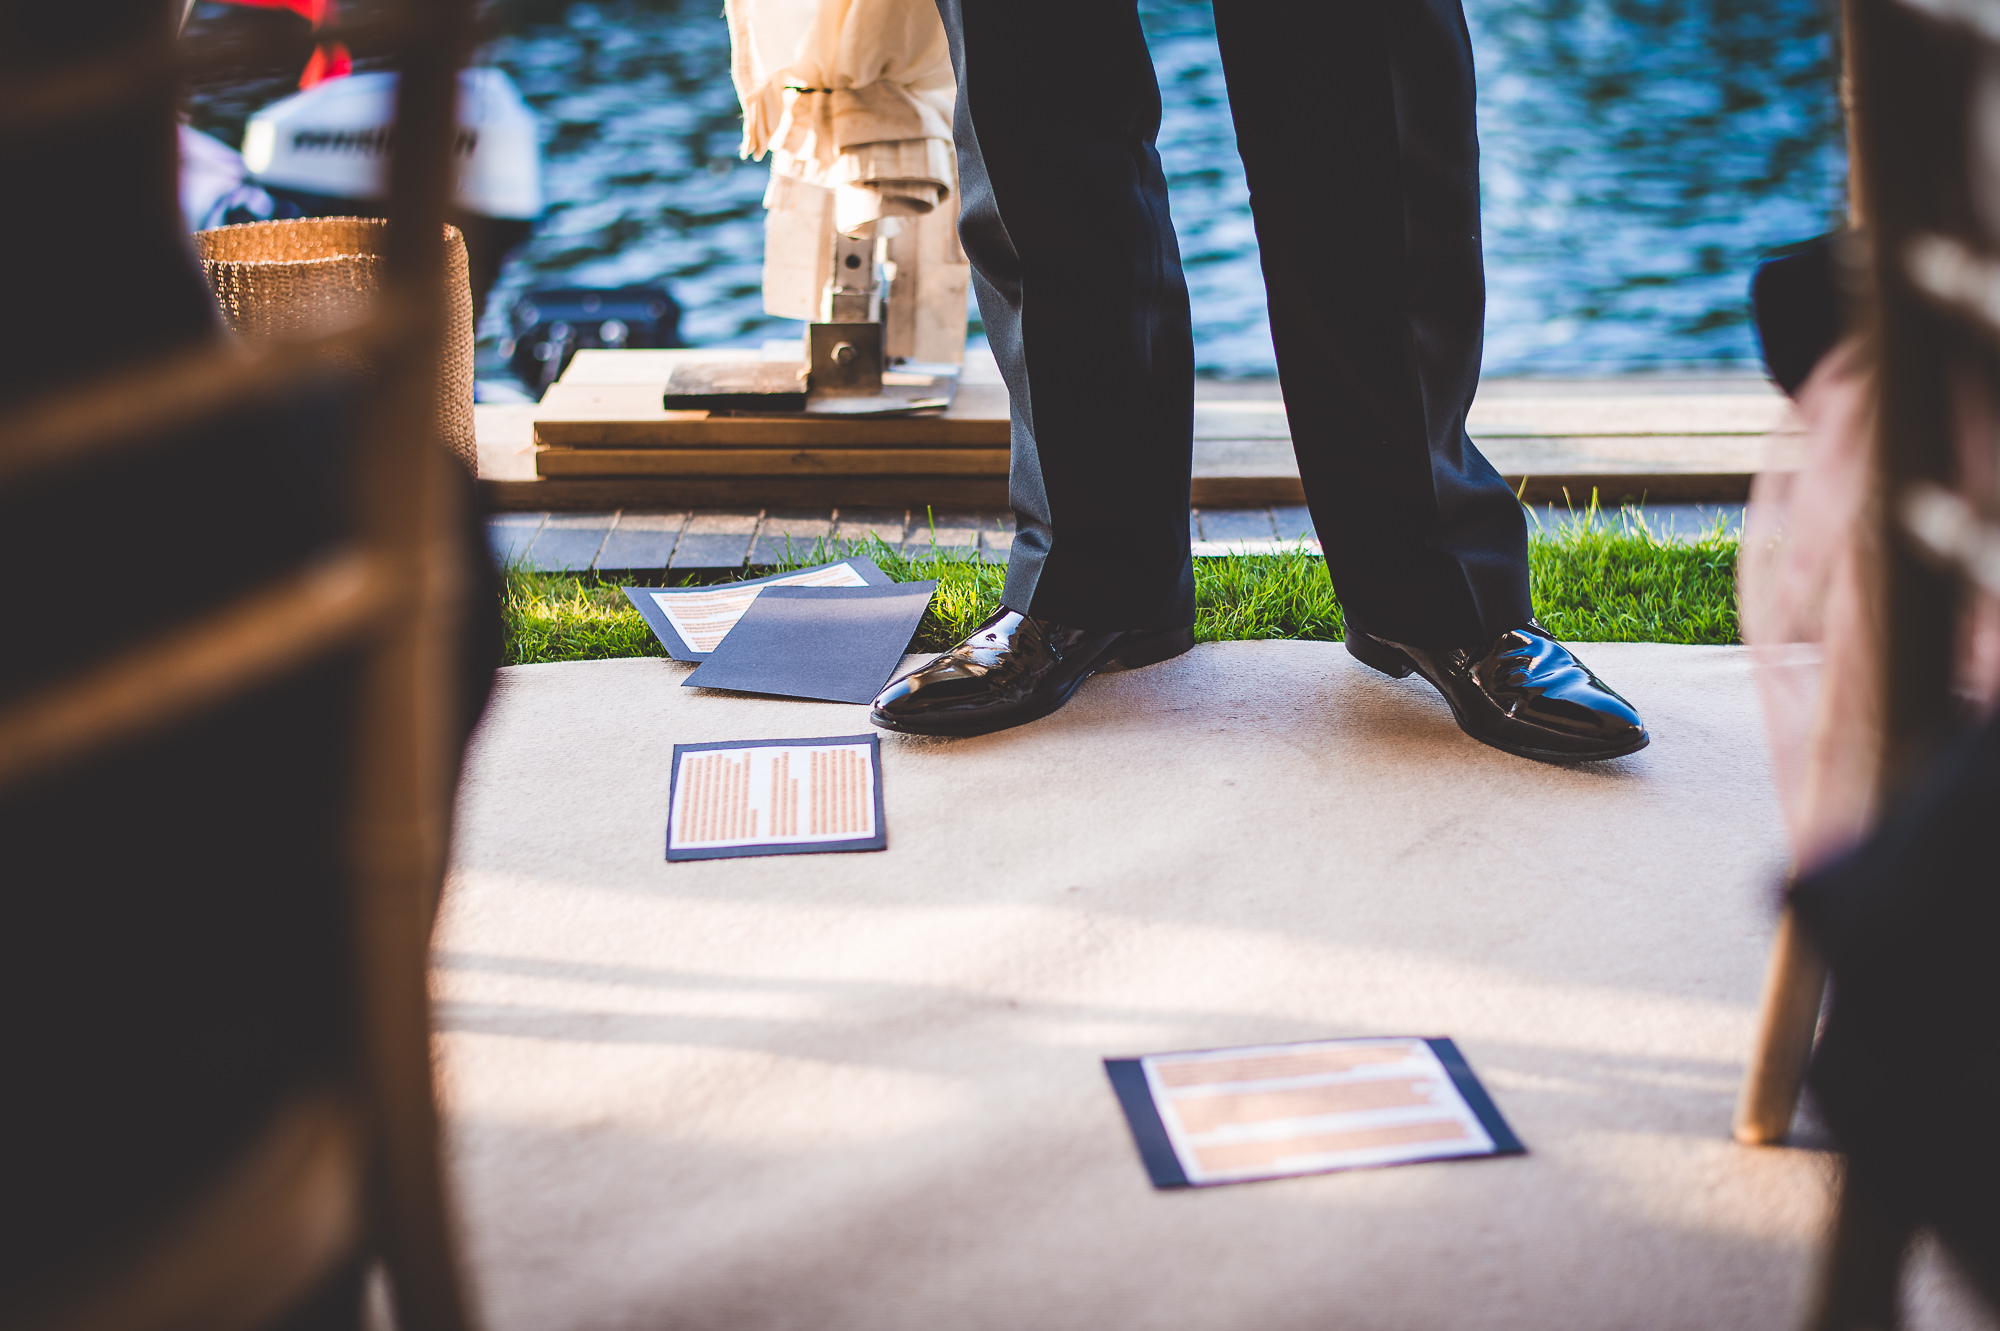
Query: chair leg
[1793, 987]
[1864, 1265]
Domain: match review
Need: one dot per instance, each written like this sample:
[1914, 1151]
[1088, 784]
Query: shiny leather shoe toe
[1525, 694]
[1014, 669]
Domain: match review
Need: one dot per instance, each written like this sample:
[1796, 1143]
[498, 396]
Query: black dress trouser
[1355, 122]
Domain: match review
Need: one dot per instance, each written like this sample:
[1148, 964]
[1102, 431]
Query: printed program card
[691, 622]
[1274, 1111]
[775, 797]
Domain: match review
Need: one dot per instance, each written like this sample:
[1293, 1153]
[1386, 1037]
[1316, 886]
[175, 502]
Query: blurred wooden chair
[1925, 203]
[344, 1168]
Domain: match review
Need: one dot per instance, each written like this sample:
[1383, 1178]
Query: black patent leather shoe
[1525, 694]
[1014, 669]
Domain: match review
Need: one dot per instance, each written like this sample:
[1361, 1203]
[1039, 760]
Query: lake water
[1638, 156]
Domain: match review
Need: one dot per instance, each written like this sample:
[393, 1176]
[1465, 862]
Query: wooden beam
[407, 744]
[1245, 491]
[1788, 1018]
[591, 493]
[685, 430]
[754, 462]
[250, 640]
[136, 408]
[270, 1223]
[1908, 88]
[1912, 85]
[626, 416]
[674, 492]
[1614, 489]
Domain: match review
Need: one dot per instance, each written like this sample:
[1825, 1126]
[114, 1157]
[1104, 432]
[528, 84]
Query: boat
[324, 152]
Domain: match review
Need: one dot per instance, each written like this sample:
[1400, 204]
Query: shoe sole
[1396, 664]
[1137, 654]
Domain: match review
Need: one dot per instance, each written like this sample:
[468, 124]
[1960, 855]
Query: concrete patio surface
[864, 1090]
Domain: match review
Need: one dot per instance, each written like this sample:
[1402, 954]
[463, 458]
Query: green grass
[1611, 580]
[1607, 579]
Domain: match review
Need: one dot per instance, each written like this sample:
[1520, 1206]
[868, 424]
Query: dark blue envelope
[832, 644]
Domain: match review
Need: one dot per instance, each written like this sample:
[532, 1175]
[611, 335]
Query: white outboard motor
[325, 152]
[332, 140]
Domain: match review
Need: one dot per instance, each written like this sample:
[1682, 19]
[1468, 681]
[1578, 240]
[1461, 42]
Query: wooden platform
[611, 399]
[600, 440]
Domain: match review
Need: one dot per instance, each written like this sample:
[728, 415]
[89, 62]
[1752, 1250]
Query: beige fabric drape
[852, 100]
[850, 95]
[1812, 620]
[1808, 617]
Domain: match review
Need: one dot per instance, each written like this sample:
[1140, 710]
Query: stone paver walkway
[712, 543]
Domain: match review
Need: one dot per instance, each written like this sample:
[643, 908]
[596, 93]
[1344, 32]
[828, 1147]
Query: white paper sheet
[788, 794]
[1267, 1111]
[704, 618]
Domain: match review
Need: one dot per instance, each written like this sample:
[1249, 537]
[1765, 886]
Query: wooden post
[1793, 987]
[272, 1225]
[1912, 86]
[1907, 103]
[1795, 975]
[405, 758]
[1909, 120]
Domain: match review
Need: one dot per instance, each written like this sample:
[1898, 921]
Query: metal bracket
[845, 359]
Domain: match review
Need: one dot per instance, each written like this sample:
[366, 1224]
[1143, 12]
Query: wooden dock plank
[628, 416]
[567, 462]
[706, 492]
[1543, 455]
[1510, 414]
[602, 441]
[942, 492]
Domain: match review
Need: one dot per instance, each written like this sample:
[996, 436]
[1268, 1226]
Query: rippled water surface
[1638, 155]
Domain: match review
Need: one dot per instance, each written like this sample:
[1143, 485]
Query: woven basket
[315, 275]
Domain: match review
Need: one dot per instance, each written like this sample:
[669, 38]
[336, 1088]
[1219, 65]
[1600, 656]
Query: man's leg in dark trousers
[1355, 122]
[1079, 283]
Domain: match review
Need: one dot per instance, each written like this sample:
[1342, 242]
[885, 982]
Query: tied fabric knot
[858, 102]
[884, 151]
